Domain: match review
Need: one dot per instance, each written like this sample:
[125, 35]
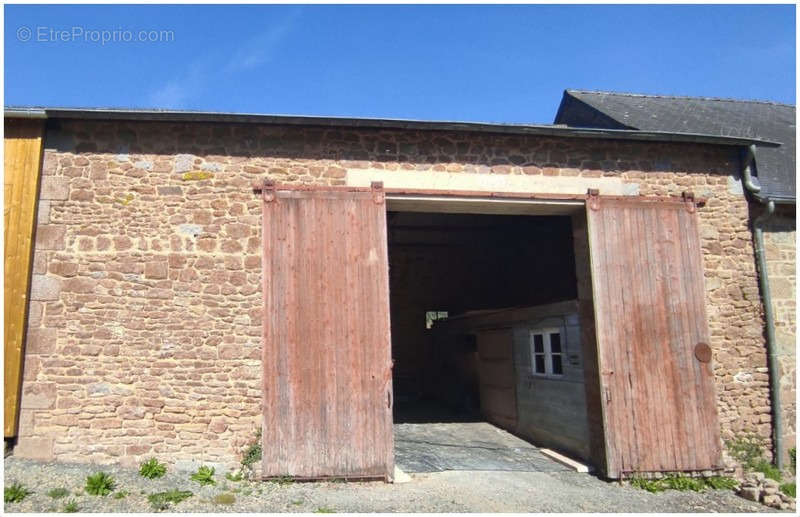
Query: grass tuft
[234, 477]
[204, 475]
[684, 483]
[162, 500]
[789, 489]
[58, 493]
[100, 484]
[651, 485]
[71, 506]
[15, 493]
[152, 469]
[721, 483]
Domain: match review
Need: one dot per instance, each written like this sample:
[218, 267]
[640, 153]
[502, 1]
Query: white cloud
[261, 48]
[179, 91]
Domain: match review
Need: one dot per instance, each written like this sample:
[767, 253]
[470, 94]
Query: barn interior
[443, 265]
[448, 270]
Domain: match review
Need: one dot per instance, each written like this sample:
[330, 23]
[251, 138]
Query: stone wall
[780, 245]
[145, 308]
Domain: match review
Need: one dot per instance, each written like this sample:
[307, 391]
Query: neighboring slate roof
[775, 167]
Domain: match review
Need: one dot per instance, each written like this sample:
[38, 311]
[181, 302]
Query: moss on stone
[196, 176]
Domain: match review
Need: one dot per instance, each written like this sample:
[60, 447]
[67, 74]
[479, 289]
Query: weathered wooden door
[327, 349]
[656, 379]
[498, 384]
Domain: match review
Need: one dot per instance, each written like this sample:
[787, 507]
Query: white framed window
[547, 349]
[431, 316]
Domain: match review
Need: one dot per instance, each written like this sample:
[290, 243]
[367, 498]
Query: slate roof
[775, 167]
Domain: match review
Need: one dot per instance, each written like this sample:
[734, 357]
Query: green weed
[282, 480]
[253, 452]
[651, 485]
[234, 477]
[681, 482]
[721, 483]
[15, 493]
[71, 506]
[122, 494]
[58, 493]
[768, 469]
[100, 484]
[152, 469]
[324, 509]
[789, 489]
[748, 449]
[204, 476]
[684, 483]
[162, 500]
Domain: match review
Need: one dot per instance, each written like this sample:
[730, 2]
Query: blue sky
[485, 63]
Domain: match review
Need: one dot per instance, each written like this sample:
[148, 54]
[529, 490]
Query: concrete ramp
[437, 447]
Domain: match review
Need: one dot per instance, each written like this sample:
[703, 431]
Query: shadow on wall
[418, 150]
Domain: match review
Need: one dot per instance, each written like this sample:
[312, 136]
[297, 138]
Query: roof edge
[375, 123]
[684, 97]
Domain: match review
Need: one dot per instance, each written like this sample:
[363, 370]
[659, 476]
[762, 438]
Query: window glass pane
[539, 361]
[538, 343]
[555, 343]
[557, 370]
[431, 316]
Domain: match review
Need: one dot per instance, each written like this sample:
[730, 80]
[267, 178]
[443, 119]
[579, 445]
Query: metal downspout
[763, 279]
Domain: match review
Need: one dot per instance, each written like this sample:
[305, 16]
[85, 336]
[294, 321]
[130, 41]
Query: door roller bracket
[593, 198]
[688, 198]
[378, 194]
[268, 190]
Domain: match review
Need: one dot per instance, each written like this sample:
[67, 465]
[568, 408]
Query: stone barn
[176, 281]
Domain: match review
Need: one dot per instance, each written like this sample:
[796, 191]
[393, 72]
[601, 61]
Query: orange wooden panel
[659, 402]
[22, 165]
[327, 353]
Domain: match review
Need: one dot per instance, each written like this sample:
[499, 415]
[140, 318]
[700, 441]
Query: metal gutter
[766, 294]
[377, 123]
[25, 113]
[749, 158]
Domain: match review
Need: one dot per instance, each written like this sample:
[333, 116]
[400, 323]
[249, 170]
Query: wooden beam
[22, 162]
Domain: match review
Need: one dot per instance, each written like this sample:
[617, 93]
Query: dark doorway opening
[444, 266]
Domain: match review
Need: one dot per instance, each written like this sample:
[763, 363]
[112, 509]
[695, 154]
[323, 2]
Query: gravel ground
[450, 491]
